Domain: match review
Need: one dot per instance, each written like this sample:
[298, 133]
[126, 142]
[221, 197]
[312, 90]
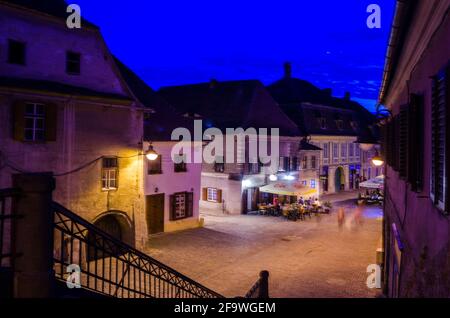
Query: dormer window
[16, 52]
[354, 125]
[322, 123]
[340, 124]
[73, 63]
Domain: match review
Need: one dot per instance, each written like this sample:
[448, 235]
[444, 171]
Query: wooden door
[155, 213]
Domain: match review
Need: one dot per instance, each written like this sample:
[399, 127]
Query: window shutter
[415, 143]
[205, 194]
[219, 195]
[172, 207]
[189, 204]
[18, 120]
[403, 141]
[51, 120]
[440, 142]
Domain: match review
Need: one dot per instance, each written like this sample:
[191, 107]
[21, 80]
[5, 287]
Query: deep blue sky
[170, 42]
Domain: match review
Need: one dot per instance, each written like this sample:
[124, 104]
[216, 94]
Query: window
[284, 164]
[357, 150]
[109, 173]
[212, 195]
[322, 123]
[440, 140]
[34, 122]
[335, 152]
[351, 151]
[304, 182]
[73, 63]
[155, 166]
[415, 143]
[305, 162]
[313, 162]
[344, 151]
[180, 166]
[181, 205]
[16, 52]
[326, 152]
[294, 164]
[340, 124]
[219, 165]
[313, 183]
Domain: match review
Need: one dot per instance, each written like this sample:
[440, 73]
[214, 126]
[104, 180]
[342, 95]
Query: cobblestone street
[312, 258]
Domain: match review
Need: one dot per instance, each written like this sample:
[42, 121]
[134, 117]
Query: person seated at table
[316, 202]
[301, 201]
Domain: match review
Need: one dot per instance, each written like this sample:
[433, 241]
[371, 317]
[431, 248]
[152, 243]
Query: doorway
[339, 179]
[154, 210]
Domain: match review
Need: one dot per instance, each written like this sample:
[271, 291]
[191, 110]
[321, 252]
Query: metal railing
[6, 215]
[111, 267]
[261, 288]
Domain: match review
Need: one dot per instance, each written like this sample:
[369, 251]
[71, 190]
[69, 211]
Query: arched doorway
[115, 223]
[110, 225]
[339, 179]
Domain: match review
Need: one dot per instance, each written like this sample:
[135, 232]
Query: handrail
[82, 243]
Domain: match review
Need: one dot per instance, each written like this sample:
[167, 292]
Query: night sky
[172, 42]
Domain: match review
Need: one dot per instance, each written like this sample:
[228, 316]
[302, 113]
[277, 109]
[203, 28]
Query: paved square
[312, 258]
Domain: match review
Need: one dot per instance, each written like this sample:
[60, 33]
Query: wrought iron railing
[111, 267]
[261, 288]
[6, 215]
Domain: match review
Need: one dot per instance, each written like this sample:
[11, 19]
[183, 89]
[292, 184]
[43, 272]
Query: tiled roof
[230, 104]
[162, 118]
[56, 87]
[55, 8]
[305, 145]
[305, 103]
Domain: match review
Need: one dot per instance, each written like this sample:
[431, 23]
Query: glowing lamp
[246, 183]
[273, 177]
[290, 178]
[151, 154]
[377, 161]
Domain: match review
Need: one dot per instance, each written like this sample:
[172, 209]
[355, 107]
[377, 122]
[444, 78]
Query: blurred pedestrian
[341, 217]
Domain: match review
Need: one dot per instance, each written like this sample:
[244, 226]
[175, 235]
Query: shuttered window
[403, 141]
[440, 140]
[181, 205]
[415, 143]
[34, 122]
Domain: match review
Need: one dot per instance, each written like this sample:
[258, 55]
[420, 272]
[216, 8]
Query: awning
[375, 183]
[293, 188]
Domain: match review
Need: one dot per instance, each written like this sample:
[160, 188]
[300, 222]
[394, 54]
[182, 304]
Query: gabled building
[172, 190]
[65, 108]
[416, 90]
[234, 187]
[336, 125]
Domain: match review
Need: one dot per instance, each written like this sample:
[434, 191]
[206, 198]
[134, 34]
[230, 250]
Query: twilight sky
[172, 42]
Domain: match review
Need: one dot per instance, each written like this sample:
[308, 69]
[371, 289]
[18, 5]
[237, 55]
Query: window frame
[11, 58]
[71, 62]
[107, 172]
[35, 117]
[213, 195]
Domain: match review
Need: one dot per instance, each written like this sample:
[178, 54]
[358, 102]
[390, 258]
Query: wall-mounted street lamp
[377, 161]
[151, 154]
[273, 177]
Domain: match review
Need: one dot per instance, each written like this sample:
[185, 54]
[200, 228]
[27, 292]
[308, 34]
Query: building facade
[65, 109]
[228, 186]
[415, 89]
[336, 125]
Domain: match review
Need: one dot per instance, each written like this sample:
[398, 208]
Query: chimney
[347, 96]
[287, 70]
[213, 83]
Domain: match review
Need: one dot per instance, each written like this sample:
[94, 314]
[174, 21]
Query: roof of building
[162, 118]
[55, 8]
[230, 104]
[316, 111]
[305, 145]
[56, 87]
